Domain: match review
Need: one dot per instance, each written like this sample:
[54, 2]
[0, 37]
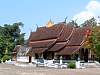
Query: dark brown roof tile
[57, 46]
[69, 50]
[43, 43]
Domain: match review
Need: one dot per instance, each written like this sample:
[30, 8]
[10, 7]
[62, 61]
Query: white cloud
[93, 6]
[91, 10]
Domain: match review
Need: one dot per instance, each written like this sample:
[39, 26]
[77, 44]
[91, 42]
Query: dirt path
[13, 70]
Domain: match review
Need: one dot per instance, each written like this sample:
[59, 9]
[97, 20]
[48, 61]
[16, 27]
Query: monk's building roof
[21, 50]
[36, 50]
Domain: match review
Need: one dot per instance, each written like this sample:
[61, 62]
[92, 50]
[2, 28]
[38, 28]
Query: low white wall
[33, 59]
[23, 59]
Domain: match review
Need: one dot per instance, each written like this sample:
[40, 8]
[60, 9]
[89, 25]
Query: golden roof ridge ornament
[50, 23]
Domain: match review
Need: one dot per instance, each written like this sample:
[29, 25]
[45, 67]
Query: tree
[93, 41]
[92, 22]
[10, 35]
[96, 41]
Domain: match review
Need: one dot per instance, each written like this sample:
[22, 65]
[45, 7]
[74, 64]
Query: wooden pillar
[86, 55]
[81, 54]
[30, 59]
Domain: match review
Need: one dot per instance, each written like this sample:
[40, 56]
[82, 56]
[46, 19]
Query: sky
[39, 12]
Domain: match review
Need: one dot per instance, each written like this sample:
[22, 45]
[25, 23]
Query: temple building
[56, 41]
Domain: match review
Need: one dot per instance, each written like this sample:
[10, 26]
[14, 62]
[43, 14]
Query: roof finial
[75, 21]
[76, 25]
[65, 19]
[36, 26]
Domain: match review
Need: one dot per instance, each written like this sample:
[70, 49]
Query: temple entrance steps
[94, 64]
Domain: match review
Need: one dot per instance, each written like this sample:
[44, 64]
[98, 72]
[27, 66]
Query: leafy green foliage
[97, 46]
[10, 35]
[91, 22]
[72, 65]
[5, 57]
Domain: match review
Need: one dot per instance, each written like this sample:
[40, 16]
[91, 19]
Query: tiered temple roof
[61, 38]
[45, 37]
[45, 33]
